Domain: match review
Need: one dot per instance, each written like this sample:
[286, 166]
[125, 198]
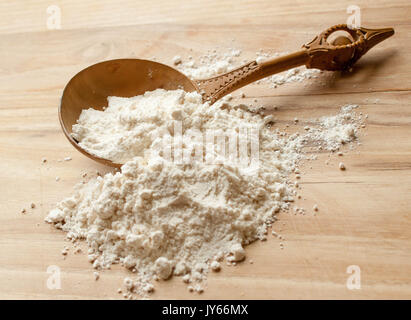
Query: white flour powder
[158, 217]
[336, 130]
[172, 211]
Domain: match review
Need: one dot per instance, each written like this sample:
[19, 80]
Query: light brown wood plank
[365, 212]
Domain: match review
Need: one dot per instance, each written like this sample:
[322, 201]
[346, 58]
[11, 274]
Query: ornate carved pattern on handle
[214, 88]
[327, 56]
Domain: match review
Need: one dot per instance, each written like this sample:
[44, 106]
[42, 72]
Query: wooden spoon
[130, 77]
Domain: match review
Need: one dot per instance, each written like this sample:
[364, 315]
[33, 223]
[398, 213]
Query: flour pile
[162, 216]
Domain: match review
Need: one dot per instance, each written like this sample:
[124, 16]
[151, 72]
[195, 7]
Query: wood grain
[365, 212]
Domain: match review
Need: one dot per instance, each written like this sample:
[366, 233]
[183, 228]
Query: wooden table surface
[365, 212]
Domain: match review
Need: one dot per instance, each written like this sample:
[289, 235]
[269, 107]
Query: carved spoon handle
[219, 86]
[318, 53]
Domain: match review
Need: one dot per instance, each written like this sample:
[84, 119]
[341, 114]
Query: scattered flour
[160, 218]
[298, 74]
[208, 65]
[336, 130]
[214, 63]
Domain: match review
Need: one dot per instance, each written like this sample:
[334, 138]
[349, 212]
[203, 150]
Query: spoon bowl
[123, 78]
